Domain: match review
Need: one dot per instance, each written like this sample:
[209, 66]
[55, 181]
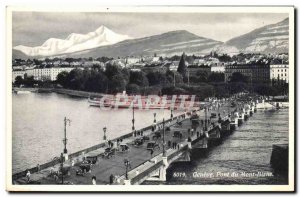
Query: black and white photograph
[150, 99]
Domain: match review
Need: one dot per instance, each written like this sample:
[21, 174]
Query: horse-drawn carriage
[177, 134]
[109, 152]
[138, 142]
[123, 148]
[157, 135]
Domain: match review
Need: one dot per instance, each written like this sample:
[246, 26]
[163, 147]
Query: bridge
[191, 131]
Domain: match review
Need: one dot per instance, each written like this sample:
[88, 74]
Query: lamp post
[61, 167]
[154, 122]
[104, 134]
[164, 151]
[188, 77]
[174, 78]
[65, 135]
[205, 127]
[127, 164]
[133, 128]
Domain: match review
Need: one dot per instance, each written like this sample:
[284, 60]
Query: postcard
[150, 99]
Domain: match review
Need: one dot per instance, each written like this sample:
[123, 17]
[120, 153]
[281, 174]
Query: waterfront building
[18, 73]
[279, 70]
[258, 72]
[41, 73]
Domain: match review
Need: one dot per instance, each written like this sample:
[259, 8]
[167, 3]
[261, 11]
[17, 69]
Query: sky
[34, 28]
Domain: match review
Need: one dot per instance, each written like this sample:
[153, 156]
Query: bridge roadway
[139, 157]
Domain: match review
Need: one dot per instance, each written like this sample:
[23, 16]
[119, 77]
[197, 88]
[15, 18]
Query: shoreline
[75, 93]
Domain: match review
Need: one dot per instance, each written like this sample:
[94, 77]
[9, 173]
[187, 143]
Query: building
[41, 73]
[217, 68]
[258, 72]
[18, 73]
[279, 71]
[132, 60]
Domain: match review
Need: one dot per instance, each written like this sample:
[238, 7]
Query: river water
[244, 153]
[38, 126]
[38, 132]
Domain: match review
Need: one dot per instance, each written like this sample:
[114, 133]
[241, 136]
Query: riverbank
[75, 93]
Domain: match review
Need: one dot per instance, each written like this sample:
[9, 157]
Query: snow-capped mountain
[104, 42]
[74, 43]
[272, 38]
[169, 43]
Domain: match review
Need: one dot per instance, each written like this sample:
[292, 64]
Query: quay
[73, 93]
[176, 139]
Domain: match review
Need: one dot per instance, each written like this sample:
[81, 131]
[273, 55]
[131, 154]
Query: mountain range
[272, 38]
[104, 42]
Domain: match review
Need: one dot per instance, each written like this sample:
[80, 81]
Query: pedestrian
[178, 146]
[55, 177]
[169, 143]
[51, 171]
[151, 152]
[38, 167]
[142, 133]
[111, 179]
[28, 176]
[94, 180]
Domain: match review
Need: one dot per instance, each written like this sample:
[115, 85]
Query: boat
[142, 102]
[22, 92]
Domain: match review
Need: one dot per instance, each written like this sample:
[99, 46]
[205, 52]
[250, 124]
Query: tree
[62, 78]
[69, 60]
[96, 82]
[224, 58]
[133, 89]
[18, 81]
[202, 76]
[171, 90]
[156, 78]
[239, 77]
[29, 81]
[118, 83]
[170, 77]
[216, 77]
[75, 79]
[112, 69]
[264, 89]
[138, 78]
[182, 68]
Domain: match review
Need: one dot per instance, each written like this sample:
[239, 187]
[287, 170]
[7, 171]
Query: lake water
[38, 133]
[248, 150]
[38, 126]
